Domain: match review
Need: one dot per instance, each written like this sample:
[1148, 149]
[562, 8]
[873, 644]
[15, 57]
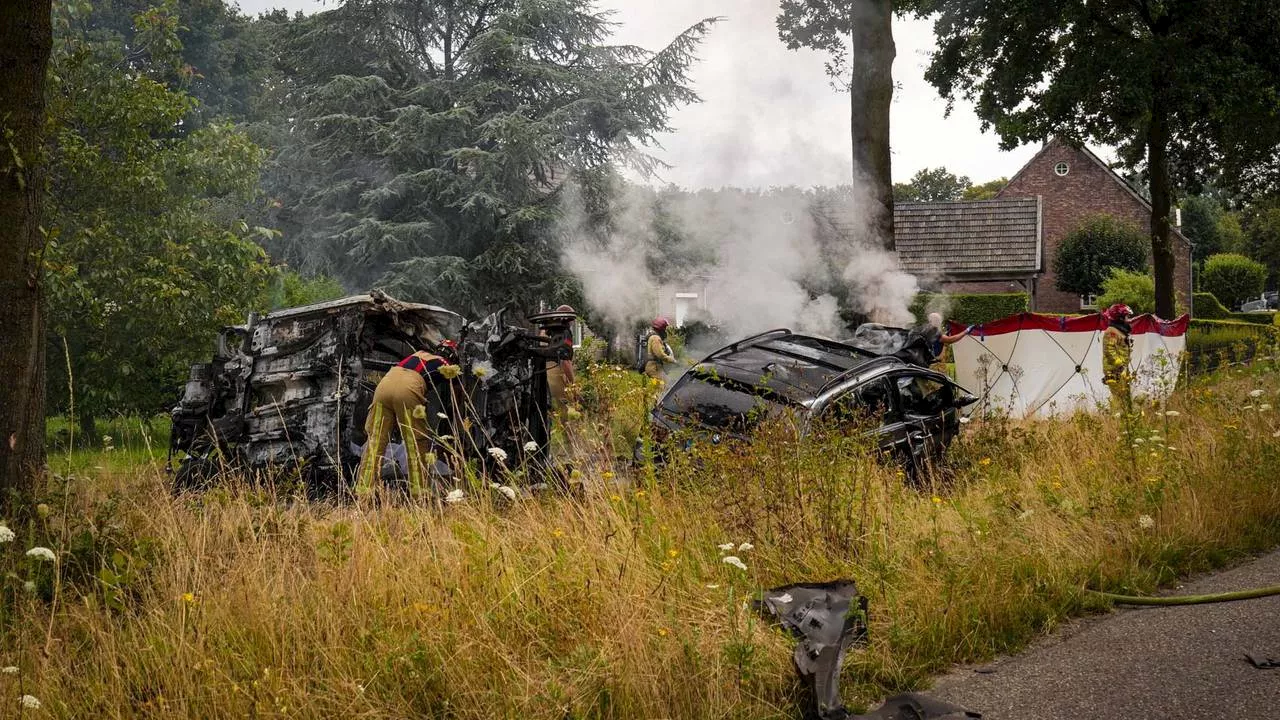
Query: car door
[876, 402]
[929, 409]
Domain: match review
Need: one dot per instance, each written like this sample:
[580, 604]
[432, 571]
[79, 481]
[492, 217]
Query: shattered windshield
[720, 402]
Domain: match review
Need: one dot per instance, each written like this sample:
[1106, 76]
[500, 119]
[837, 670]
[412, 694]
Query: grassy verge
[618, 603]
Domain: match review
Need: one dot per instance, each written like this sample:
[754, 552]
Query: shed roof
[975, 238]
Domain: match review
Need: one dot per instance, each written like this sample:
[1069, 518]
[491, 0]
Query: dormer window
[1062, 169]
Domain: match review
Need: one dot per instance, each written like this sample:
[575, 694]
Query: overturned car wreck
[286, 394]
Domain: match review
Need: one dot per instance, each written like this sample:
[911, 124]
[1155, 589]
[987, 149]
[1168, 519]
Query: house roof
[969, 239]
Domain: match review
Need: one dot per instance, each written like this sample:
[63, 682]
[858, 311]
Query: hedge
[1210, 343]
[1208, 308]
[971, 309]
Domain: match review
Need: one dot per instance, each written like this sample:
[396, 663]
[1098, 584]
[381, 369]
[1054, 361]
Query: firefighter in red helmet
[1115, 351]
[657, 351]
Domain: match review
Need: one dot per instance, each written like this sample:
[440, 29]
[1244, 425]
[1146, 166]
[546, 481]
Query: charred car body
[288, 393]
[915, 410]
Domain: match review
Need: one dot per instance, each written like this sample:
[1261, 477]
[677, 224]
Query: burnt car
[915, 410]
[286, 394]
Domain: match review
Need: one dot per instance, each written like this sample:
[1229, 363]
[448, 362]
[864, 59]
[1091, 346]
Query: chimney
[1177, 217]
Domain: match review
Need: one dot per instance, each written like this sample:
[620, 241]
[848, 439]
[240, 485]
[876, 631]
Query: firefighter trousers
[398, 401]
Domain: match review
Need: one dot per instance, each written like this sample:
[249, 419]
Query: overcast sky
[769, 115]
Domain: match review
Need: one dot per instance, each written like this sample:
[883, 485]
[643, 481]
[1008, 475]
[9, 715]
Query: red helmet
[1119, 311]
[566, 308]
[660, 323]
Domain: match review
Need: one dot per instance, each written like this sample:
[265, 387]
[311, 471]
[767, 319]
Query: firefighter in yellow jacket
[400, 399]
[1116, 351]
[657, 352]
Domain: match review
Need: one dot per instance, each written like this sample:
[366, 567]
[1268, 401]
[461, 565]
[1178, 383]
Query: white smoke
[757, 256]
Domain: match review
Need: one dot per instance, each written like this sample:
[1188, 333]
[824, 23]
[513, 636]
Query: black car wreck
[734, 388]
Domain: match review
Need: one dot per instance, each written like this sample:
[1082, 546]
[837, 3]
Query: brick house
[1008, 244]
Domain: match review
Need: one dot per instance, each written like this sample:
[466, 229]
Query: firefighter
[400, 399]
[657, 352]
[560, 378]
[1115, 351]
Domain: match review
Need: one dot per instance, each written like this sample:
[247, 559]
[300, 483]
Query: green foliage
[1262, 240]
[289, 289]
[1230, 233]
[432, 162]
[1233, 279]
[1135, 289]
[1201, 222]
[970, 309]
[1087, 255]
[932, 185]
[1208, 307]
[146, 258]
[986, 191]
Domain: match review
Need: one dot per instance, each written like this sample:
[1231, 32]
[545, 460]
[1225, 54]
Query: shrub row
[970, 309]
[1208, 307]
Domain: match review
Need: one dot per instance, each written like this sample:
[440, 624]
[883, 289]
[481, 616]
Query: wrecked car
[286, 394]
[914, 411]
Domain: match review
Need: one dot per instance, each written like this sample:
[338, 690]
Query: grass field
[618, 603]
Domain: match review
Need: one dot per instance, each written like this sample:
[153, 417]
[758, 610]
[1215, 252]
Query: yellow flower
[615, 498]
[640, 494]
[673, 553]
[190, 598]
[984, 461]
[420, 412]
[663, 632]
[1056, 485]
[607, 475]
[937, 500]
[449, 372]
[557, 533]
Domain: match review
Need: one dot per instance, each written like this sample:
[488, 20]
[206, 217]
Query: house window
[684, 303]
[1089, 302]
[1062, 168]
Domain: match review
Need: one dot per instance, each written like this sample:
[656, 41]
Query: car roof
[796, 367]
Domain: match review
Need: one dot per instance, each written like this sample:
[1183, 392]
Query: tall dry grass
[617, 603]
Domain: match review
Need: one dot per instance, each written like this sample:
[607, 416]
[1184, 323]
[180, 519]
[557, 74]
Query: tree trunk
[1162, 259]
[870, 96]
[26, 36]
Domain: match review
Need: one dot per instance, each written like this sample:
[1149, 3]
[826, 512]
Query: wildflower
[454, 496]
[442, 416]
[531, 447]
[1264, 407]
[43, 509]
[937, 500]
[1138, 441]
[557, 533]
[615, 498]
[1056, 484]
[984, 461]
[11, 670]
[190, 598]
[29, 702]
[964, 421]
[735, 561]
[482, 369]
[1172, 413]
[662, 632]
[420, 412]
[29, 586]
[446, 438]
[640, 494]
[1146, 522]
[42, 553]
[673, 553]
[1255, 393]
[498, 454]
[726, 547]
[449, 372]
[608, 475]
[6, 535]
[507, 492]
[745, 547]
[573, 413]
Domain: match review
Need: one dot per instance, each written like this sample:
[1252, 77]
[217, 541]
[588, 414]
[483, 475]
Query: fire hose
[1188, 599]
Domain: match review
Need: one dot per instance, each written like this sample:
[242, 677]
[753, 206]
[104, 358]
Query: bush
[1208, 307]
[1210, 343]
[1135, 289]
[1233, 279]
[1087, 255]
[970, 309]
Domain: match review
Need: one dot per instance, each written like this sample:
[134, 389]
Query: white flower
[735, 561]
[531, 447]
[1264, 407]
[498, 454]
[11, 670]
[1172, 413]
[442, 416]
[106, 439]
[1255, 393]
[6, 535]
[1137, 441]
[964, 421]
[745, 547]
[29, 702]
[29, 586]
[482, 369]
[42, 553]
[454, 497]
[1146, 522]
[507, 492]
[726, 547]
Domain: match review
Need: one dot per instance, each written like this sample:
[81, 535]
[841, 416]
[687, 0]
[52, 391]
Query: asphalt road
[1175, 663]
